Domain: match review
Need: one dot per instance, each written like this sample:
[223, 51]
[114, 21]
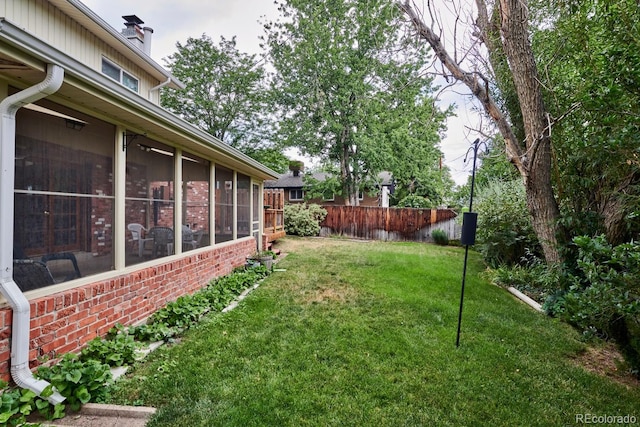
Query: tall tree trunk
[533, 160]
[537, 157]
[346, 175]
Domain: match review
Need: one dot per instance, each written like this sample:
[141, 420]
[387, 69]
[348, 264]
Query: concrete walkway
[100, 415]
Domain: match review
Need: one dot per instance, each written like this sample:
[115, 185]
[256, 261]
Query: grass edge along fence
[86, 377]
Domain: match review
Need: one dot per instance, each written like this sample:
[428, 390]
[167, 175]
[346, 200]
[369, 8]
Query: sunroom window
[224, 204]
[244, 205]
[149, 200]
[64, 202]
[195, 202]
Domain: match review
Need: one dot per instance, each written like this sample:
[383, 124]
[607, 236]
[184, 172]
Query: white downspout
[158, 87]
[9, 106]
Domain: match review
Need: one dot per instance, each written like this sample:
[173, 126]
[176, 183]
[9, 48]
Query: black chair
[62, 256]
[31, 274]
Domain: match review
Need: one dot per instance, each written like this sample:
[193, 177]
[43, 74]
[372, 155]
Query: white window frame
[329, 199]
[123, 75]
[294, 199]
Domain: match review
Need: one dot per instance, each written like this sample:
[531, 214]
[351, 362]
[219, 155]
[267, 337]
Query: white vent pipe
[9, 106]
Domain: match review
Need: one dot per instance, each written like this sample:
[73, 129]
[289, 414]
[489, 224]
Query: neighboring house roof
[287, 180]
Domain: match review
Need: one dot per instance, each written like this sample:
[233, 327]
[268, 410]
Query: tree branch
[477, 84]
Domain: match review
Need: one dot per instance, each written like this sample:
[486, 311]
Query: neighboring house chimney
[138, 36]
[296, 166]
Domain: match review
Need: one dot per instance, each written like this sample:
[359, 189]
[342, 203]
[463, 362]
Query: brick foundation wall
[64, 322]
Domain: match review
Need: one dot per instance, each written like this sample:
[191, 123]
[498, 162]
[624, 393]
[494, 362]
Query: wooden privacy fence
[376, 223]
[273, 202]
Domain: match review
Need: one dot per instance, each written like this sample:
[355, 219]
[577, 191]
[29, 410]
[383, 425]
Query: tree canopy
[592, 52]
[225, 95]
[353, 92]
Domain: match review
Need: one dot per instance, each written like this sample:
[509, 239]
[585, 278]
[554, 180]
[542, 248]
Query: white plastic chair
[137, 236]
[189, 241]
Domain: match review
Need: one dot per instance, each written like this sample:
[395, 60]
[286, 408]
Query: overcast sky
[174, 22]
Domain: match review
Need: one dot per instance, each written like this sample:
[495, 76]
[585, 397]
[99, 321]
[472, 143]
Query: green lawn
[363, 334]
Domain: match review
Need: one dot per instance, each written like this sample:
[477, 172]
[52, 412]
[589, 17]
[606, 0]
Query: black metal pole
[475, 146]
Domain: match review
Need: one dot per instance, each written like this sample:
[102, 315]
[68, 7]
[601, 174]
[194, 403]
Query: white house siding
[45, 21]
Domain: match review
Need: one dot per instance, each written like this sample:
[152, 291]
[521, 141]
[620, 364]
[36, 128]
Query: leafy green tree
[414, 201]
[324, 188]
[224, 96]
[593, 72]
[351, 89]
[416, 159]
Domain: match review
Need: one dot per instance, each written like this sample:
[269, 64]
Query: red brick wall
[66, 321]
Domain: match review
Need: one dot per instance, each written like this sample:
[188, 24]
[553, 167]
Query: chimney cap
[132, 20]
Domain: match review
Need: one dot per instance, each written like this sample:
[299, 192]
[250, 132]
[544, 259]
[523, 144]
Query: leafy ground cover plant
[187, 310]
[86, 377]
[16, 404]
[79, 381]
[116, 350]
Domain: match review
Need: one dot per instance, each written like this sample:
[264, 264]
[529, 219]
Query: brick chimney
[138, 36]
[296, 166]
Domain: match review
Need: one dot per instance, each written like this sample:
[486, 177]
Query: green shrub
[440, 237]
[535, 279]
[302, 219]
[415, 201]
[504, 234]
[604, 297]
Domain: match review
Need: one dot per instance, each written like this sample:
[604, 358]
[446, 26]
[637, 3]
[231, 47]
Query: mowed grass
[363, 334]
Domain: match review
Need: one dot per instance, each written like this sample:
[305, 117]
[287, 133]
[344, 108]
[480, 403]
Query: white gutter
[161, 85]
[9, 106]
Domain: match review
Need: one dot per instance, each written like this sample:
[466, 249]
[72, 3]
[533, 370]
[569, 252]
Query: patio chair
[64, 256]
[189, 240]
[162, 240]
[31, 274]
[137, 235]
